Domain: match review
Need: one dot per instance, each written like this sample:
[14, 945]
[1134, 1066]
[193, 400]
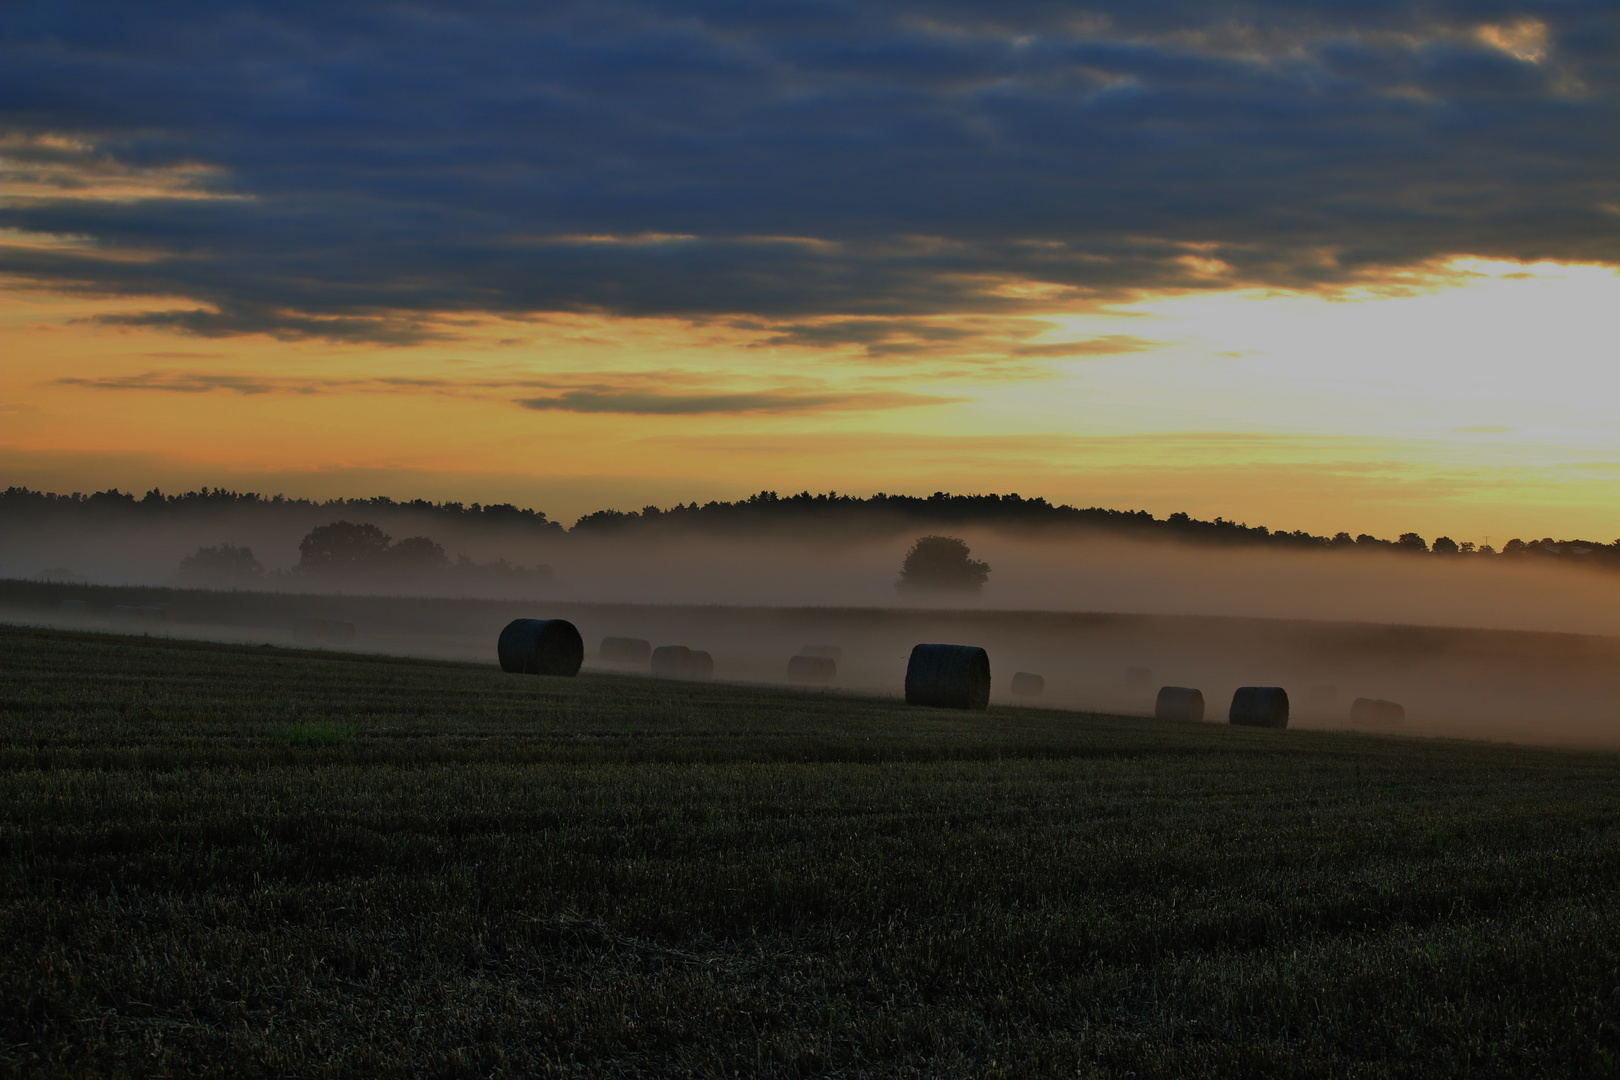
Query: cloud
[1104, 345]
[368, 171]
[649, 403]
[636, 392]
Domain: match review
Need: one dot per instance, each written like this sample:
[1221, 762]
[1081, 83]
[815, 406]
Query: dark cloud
[651, 403]
[378, 165]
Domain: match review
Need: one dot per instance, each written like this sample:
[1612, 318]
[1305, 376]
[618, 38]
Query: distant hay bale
[1138, 678]
[702, 665]
[625, 650]
[541, 647]
[1259, 706]
[672, 662]
[831, 652]
[1376, 712]
[1179, 703]
[812, 669]
[948, 676]
[1323, 694]
[73, 609]
[1024, 684]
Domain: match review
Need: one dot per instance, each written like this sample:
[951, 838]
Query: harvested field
[244, 860]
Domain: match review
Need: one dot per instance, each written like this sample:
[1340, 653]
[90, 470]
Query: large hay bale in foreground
[1179, 703]
[812, 669]
[541, 647]
[831, 652]
[1259, 706]
[948, 677]
[625, 650]
[1026, 684]
[1376, 712]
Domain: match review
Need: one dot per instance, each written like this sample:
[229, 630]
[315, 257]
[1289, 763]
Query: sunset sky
[1321, 266]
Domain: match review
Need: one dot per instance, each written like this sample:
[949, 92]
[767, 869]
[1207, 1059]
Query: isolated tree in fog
[942, 562]
[342, 546]
[227, 562]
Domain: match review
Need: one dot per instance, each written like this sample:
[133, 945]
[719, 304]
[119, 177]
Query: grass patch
[514, 875]
[314, 734]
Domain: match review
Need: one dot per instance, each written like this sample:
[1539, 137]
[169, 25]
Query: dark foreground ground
[259, 861]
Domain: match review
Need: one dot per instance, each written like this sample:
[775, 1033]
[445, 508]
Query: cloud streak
[358, 171]
[635, 395]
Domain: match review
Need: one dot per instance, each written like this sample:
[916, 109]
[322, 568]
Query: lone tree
[942, 563]
[225, 563]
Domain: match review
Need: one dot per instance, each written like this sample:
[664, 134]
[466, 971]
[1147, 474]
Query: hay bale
[831, 652]
[73, 609]
[812, 669]
[1179, 703]
[311, 629]
[1376, 712]
[1138, 678]
[1025, 684]
[948, 676]
[672, 662]
[625, 650]
[1259, 706]
[541, 647]
[702, 665]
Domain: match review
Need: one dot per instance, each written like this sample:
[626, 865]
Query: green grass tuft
[315, 734]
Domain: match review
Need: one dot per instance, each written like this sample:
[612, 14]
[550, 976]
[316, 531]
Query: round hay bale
[1179, 703]
[73, 609]
[313, 629]
[1259, 706]
[831, 652]
[1138, 678]
[541, 647]
[702, 665]
[1025, 684]
[948, 677]
[625, 650]
[672, 662]
[812, 669]
[1376, 712]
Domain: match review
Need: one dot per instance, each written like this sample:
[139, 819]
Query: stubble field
[255, 861]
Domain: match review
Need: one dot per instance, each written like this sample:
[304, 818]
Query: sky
[1308, 265]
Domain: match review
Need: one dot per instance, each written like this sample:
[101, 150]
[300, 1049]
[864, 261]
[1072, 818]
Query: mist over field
[1051, 570]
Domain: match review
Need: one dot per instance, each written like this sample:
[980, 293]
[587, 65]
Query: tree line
[769, 512]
